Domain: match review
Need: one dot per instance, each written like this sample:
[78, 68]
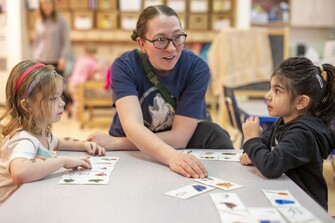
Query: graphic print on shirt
[162, 114]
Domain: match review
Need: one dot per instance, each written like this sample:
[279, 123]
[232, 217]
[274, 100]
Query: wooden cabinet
[312, 13]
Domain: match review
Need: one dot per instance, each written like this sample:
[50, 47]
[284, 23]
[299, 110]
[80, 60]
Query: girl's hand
[93, 148]
[187, 165]
[75, 162]
[245, 160]
[251, 128]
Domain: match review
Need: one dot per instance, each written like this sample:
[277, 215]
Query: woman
[145, 120]
[52, 43]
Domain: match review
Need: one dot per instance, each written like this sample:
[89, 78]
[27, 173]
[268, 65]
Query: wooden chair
[94, 97]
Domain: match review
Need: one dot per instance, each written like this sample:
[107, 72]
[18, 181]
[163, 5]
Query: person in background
[27, 152]
[302, 95]
[52, 43]
[84, 69]
[145, 120]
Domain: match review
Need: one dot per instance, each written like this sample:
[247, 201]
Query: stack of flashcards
[102, 168]
[289, 207]
[206, 184]
[222, 155]
[285, 209]
[231, 209]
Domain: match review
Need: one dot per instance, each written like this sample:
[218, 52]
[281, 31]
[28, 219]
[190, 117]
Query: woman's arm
[130, 114]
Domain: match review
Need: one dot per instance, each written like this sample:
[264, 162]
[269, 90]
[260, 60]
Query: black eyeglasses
[163, 42]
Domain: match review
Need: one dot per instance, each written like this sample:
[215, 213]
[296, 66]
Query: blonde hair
[35, 88]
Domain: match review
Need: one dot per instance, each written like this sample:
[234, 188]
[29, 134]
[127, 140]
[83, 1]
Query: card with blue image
[281, 198]
[189, 191]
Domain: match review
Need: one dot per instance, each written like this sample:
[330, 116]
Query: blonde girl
[33, 103]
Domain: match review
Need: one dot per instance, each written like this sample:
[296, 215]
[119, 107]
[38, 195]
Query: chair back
[233, 111]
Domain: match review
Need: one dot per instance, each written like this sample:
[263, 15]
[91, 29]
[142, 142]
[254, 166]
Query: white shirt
[21, 145]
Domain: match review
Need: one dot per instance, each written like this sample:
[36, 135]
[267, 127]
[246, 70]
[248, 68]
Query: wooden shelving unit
[124, 35]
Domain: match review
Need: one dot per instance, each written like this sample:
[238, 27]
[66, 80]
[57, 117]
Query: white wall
[243, 14]
[16, 40]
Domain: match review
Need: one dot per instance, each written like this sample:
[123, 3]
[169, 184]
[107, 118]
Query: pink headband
[25, 74]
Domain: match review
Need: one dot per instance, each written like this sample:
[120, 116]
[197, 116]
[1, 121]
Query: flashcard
[233, 216]
[270, 215]
[189, 191]
[103, 160]
[279, 198]
[227, 201]
[102, 168]
[297, 214]
[86, 173]
[195, 153]
[209, 156]
[218, 183]
[84, 180]
[230, 156]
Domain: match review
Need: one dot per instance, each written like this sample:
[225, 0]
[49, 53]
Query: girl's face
[55, 106]
[163, 60]
[46, 7]
[279, 103]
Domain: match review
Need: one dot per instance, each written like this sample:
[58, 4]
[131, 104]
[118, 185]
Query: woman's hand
[93, 148]
[187, 165]
[251, 128]
[102, 139]
[245, 160]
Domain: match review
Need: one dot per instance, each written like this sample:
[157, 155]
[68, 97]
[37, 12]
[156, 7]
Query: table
[256, 107]
[135, 193]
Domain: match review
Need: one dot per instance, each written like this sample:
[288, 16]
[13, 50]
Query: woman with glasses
[146, 118]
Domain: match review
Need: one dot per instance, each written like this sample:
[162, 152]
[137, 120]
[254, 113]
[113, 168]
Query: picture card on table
[189, 191]
[266, 215]
[234, 216]
[227, 201]
[218, 183]
[210, 155]
[297, 214]
[281, 198]
[102, 168]
[230, 156]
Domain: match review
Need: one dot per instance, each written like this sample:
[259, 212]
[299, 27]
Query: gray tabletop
[136, 193]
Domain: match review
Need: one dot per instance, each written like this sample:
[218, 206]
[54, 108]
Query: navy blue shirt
[187, 84]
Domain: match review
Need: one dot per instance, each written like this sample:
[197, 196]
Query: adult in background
[145, 119]
[52, 44]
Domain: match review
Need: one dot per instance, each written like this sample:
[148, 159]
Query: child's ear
[303, 102]
[25, 105]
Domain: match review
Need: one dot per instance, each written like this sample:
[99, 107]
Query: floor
[68, 127]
